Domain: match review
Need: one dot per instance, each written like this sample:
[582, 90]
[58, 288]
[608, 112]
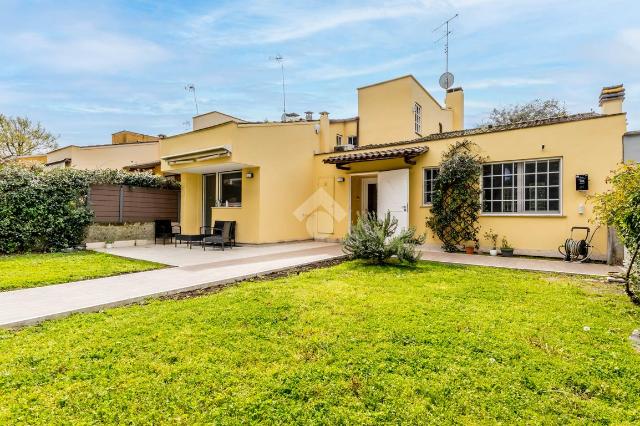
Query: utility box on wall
[582, 182]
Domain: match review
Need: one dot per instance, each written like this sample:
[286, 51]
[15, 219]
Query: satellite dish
[446, 80]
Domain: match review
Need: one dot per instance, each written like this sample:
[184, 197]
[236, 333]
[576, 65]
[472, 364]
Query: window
[338, 140]
[230, 189]
[521, 187]
[429, 177]
[223, 189]
[417, 116]
[353, 140]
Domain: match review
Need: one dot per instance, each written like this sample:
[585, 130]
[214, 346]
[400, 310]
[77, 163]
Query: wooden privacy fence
[121, 203]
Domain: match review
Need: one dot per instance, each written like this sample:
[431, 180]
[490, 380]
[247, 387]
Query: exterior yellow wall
[106, 156]
[127, 136]
[190, 203]
[212, 119]
[386, 112]
[590, 146]
[28, 159]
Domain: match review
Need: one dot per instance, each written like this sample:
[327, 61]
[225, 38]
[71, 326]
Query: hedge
[47, 209]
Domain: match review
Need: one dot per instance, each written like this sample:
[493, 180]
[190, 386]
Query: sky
[88, 69]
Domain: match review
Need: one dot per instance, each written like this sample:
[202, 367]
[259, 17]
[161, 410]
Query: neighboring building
[27, 159]
[127, 149]
[631, 143]
[310, 178]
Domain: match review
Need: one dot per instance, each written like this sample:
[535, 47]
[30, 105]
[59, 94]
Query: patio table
[188, 239]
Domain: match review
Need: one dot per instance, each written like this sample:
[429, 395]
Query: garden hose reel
[578, 250]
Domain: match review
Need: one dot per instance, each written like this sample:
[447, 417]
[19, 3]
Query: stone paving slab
[33, 305]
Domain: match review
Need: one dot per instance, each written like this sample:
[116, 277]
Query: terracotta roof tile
[356, 157]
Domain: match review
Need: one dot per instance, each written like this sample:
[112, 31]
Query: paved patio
[196, 269]
[524, 263]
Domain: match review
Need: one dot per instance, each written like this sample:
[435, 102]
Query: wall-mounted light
[249, 175]
[543, 147]
[340, 179]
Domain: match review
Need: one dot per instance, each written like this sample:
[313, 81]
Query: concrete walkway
[524, 263]
[30, 306]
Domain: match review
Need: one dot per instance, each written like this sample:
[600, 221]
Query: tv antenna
[446, 79]
[192, 88]
[279, 59]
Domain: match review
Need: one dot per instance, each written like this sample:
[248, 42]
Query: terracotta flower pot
[469, 249]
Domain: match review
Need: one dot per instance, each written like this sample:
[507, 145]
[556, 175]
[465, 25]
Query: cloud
[507, 82]
[86, 51]
[286, 23]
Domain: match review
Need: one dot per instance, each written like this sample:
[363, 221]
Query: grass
[35, 270]
[347, 344]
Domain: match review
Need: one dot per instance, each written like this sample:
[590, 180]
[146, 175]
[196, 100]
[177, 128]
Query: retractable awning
[201, 155]
[408, 154]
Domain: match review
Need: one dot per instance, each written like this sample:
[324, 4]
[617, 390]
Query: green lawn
[34, 270]
[347, 344]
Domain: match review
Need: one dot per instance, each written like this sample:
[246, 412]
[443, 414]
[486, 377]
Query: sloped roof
[356, 157]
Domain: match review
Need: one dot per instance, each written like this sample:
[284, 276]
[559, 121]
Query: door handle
[404, 208]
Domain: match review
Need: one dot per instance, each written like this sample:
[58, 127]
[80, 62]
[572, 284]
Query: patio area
[182, 255]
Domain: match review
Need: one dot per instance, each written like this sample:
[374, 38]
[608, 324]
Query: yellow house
[309, 178]
[130, 150]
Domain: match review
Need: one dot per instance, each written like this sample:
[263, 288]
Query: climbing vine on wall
[456, 196]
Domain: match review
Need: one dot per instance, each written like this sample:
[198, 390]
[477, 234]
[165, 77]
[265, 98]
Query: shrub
[620, 208]
[376, 240]
[456, 197]
[47, 210]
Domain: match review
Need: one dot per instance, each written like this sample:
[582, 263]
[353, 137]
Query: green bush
[456, 197]
[376, 240]
[47, 209]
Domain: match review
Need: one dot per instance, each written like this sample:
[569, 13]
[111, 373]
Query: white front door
[393, 195]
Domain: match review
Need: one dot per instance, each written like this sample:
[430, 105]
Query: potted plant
[470, 247]
[493, 237]
[108, 243]
[505, 249]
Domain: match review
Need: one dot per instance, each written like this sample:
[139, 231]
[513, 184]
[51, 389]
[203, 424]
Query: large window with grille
[529, 187]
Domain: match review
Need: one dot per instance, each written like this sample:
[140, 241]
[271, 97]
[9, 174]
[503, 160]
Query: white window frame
[417, 118]
[338, 139]
[424, 182]
[351, 139]
[521, 188]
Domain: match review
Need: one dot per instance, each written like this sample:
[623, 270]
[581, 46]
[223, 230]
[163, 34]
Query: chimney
[611, 99]
[308, 115]
[326, 144]
[454, 100]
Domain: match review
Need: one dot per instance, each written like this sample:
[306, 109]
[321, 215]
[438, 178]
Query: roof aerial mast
[446, 79]
[279, 59]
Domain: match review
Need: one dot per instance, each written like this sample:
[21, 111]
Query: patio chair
[217, 235]
[164, 229]
[219, 224]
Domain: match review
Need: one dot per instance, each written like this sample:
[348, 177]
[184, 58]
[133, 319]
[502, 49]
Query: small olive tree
[376, 240]
[456, 196]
